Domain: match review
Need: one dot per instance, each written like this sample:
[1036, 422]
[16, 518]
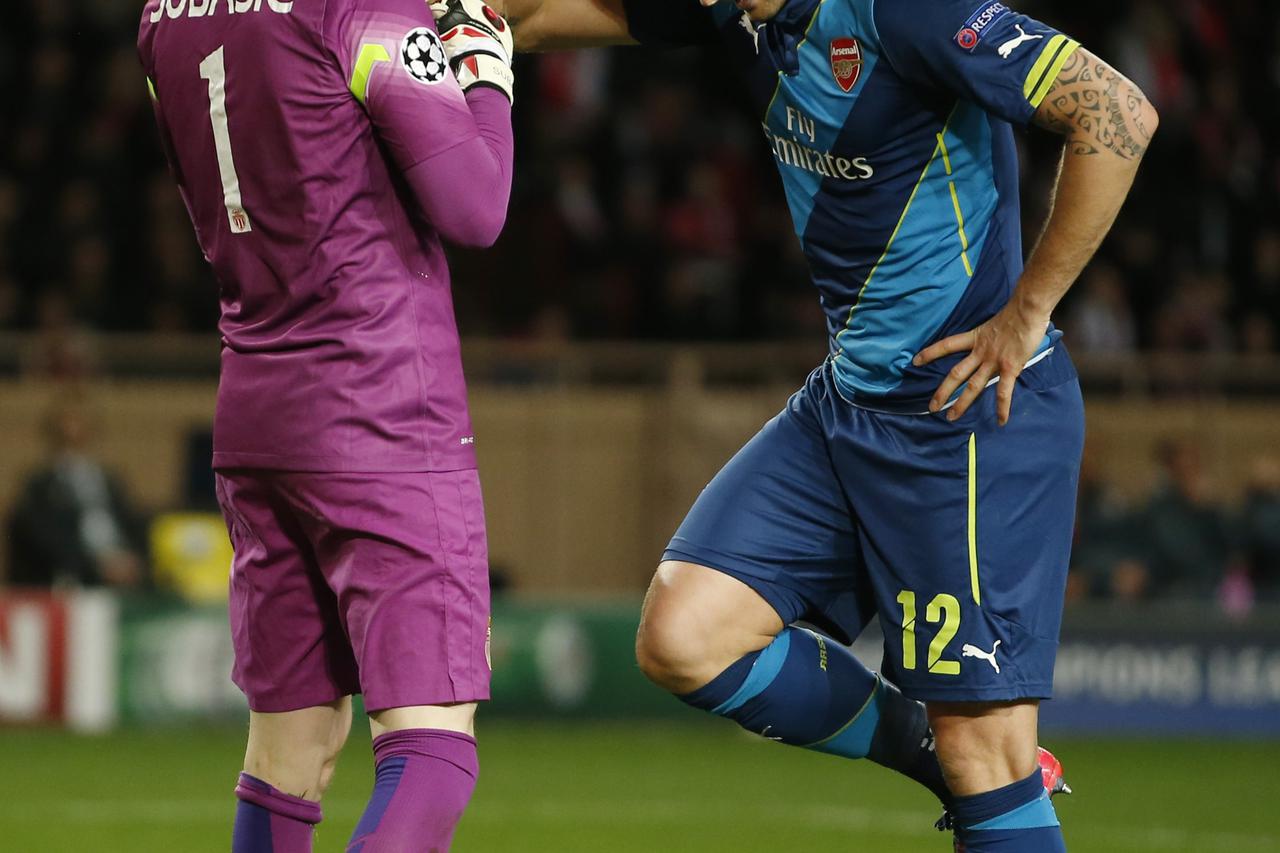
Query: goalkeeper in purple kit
[324, 151]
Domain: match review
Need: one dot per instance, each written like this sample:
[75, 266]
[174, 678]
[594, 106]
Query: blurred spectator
[1101, 321]
[1185, 536]
[1104, 556]
[72, 524]
[62, 348]
[1260, 527]
[1259, 299]
[1195, 317]
[9, 298]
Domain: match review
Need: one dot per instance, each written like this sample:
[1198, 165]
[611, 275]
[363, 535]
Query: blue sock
[807, 690]
[1017, 818]
[271, 821]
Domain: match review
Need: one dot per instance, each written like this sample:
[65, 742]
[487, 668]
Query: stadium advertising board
[87, 659]
[58, 659]
[175, 664]
[1167, 681]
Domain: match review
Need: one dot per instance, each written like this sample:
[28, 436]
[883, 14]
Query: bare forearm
[1107, 123]
[543, 25]
[1088, 196]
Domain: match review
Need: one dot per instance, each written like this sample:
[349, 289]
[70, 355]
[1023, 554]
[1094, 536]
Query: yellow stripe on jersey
[151, 87]
[946, 157]
[1047, 67]
[1036, 75]
[369, 55]
[1055, 68]
[964, 238]
[973, 519]
[955, 203]
[937, 149]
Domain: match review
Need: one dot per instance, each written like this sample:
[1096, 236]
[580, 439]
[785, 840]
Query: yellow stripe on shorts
[973, 519]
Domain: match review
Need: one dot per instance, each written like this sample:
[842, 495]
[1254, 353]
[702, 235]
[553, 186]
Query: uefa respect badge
[977, 24]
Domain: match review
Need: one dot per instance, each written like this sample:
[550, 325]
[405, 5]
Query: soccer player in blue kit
[927, 470]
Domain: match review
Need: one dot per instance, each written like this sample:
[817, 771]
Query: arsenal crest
[846, 62]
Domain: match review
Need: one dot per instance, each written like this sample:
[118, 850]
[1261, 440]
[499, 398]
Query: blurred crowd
[1181, 541]
[646, 204]
[647, 207]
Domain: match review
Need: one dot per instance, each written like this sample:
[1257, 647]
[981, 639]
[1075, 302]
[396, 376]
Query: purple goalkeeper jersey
[290, 127]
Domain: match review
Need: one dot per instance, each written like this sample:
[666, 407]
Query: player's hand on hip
[1000, 347]
[478, 42]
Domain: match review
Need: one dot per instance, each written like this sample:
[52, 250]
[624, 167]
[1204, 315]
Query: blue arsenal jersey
[891, 124]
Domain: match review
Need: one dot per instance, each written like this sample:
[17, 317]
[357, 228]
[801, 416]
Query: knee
[961, 753]
[696, 622]
[328, 767]
[301, 764]
[304, 773]
[670, 652]
[984, 746]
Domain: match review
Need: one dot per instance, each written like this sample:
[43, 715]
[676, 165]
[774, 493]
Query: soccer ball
[423, 56]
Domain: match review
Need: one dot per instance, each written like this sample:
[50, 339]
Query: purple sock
[271, 821]
[424, 780]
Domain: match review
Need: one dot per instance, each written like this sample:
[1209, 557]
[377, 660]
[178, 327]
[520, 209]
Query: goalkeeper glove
[478, 43]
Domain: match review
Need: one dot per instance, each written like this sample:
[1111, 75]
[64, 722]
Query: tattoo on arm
[1096, 108]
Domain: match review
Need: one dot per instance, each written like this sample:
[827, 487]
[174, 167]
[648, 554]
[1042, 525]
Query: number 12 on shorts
[944, 609]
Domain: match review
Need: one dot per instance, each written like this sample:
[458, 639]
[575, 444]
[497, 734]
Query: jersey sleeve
[983, 52]
[394, 64]
[669, 23]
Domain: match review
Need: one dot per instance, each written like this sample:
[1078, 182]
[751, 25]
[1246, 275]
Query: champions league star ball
[423, 56]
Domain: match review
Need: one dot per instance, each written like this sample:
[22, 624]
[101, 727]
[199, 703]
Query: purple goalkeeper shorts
[357, 583]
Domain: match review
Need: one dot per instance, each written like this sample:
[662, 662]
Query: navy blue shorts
[957, 534]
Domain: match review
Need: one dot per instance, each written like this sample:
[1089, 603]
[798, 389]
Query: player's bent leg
[696, 622]
[717, 644]
[427, 768]
[288, 764]
[988, 752]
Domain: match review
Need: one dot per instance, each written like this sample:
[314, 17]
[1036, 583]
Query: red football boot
[1051, 771]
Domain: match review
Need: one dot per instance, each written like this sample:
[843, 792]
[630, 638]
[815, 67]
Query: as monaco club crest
[846, 62]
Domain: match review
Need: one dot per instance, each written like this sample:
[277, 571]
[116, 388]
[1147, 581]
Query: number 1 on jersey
[214, 69]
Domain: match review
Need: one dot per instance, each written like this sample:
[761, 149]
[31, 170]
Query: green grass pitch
[630, 787]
